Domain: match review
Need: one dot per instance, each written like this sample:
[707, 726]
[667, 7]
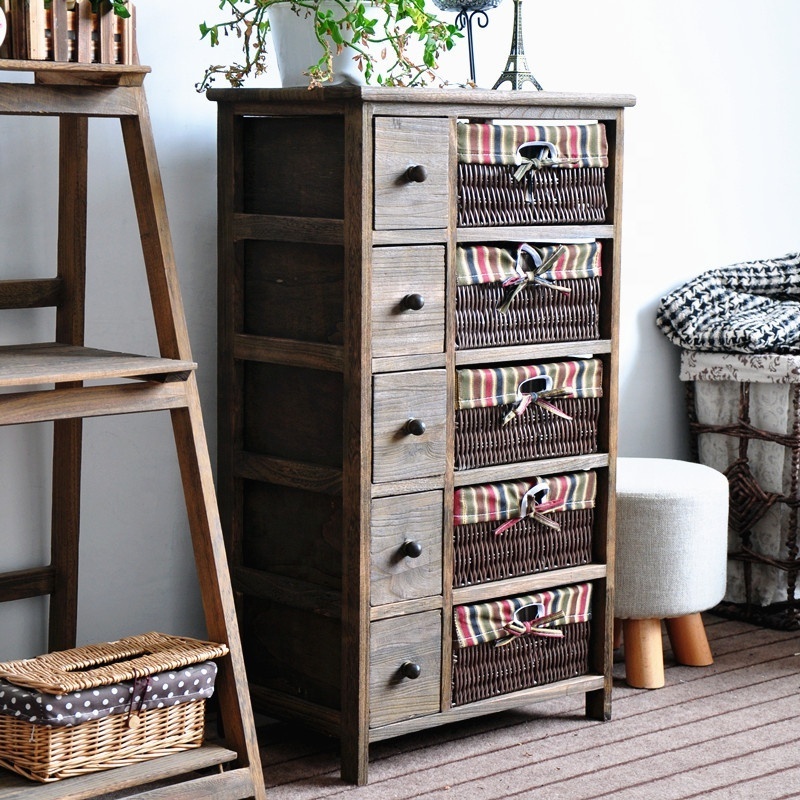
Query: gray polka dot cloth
[156, 691]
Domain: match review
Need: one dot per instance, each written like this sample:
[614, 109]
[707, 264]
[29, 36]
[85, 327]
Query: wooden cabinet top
[455, 96]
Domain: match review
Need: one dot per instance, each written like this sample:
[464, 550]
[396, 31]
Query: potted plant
[389, 42]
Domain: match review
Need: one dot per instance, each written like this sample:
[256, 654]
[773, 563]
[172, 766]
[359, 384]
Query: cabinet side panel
[293, 166]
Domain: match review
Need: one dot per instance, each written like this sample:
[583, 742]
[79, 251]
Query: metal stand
[517, 72]
[464, 20]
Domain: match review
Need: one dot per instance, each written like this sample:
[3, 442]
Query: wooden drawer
[418, 199]
[407, 300]
[399, 647]
[406, 547]
[409, 415]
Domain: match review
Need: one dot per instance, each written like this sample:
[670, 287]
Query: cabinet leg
[687, 635]
[644, 656]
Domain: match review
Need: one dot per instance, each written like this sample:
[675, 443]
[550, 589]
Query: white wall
[711, 172]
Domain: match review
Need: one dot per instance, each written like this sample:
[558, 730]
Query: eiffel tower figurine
[517, 72]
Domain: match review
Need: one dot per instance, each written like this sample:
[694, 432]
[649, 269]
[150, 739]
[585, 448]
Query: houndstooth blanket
[753, 307]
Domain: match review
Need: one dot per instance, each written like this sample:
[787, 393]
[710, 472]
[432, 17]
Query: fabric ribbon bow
[534, 164]
[536, 511]
[534, 627]
[522, 277]
[525, 398]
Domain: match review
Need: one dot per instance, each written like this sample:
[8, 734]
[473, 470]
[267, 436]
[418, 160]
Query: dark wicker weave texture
[536, 314]
[484, 670]
[750, 502]
[482, 440]
[527, 547]
[488, 194]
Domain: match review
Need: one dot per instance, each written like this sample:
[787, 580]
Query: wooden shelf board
[572, 686]
[60, 72]
[526, 584]
[35, 364]
[15, 787]
[526, 469]
[529, 352]
[535, 233]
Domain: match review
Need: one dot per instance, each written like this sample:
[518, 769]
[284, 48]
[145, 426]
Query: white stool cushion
[672, 536]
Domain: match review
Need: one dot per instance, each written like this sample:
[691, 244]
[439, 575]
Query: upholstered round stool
[671, 554]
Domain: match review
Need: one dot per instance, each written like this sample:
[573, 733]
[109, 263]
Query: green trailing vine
[346, 24]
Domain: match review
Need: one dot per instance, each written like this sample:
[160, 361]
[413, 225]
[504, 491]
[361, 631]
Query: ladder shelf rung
[37, 364]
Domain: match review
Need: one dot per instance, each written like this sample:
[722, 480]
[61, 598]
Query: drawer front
[400, 647]
[409, 430]
[406, 199]
[407, 300]
[406, 547]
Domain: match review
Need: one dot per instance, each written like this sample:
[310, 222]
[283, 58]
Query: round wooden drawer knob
[412, 549]
[416, 427]
[411, 670]
[413, 302]
[416, 174]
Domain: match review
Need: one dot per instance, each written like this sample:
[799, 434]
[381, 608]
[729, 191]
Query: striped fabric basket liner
[519, 642]
[527, 294]
[504, 530]
[92, 708]
[531, 174]
[522, 413]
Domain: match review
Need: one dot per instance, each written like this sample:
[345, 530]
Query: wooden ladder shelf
[74, 93]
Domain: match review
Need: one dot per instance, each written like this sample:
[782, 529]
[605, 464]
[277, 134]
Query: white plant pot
[297, 48]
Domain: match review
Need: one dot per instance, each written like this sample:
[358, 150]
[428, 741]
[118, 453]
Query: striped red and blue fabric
[497, 386]
[497, 502]
[583, 145]
[496, 621]
[491, 264]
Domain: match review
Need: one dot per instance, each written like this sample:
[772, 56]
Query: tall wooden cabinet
[339, 230]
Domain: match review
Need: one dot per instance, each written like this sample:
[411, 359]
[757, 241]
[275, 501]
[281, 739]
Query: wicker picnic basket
[517, 643]
[69, 30]
[91, 708]
[504, 530]
[531, 174]
[520, 413]
[527, 294]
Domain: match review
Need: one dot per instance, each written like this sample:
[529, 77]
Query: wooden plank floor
[724, 732]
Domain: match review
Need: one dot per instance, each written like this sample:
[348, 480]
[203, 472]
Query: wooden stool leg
[644, 657]
[687, 635]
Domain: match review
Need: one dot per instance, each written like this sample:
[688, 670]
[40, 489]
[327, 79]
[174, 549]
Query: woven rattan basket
[487, 671]
[50, 749]
[509, 545]
[489, 661]
[533, 316]
[490, 195]
[554, 293]
[563, 179]
[483, 440]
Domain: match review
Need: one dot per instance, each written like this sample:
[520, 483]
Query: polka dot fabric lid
[161, 690]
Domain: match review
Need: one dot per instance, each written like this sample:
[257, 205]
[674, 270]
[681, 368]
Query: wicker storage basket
[521, 413]
[488, 660]
[92, 708]
[508, 295]
[503, 530]
[744, 411]
[531, 174]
